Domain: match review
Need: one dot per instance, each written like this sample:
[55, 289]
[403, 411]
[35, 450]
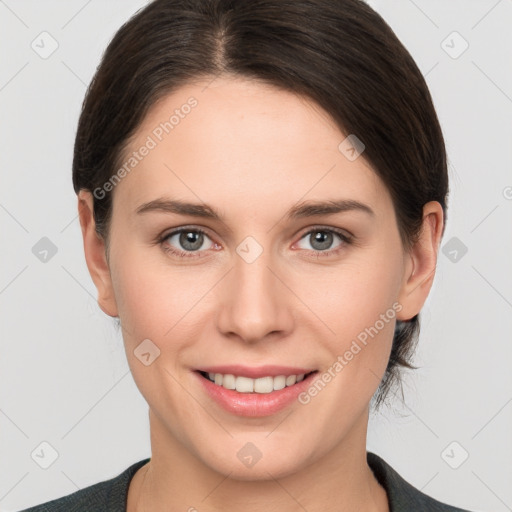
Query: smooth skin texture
[252, 152]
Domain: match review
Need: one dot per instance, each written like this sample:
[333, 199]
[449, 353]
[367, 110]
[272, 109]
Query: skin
[253, 151]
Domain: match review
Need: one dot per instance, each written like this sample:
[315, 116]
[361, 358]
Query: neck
[340, 480]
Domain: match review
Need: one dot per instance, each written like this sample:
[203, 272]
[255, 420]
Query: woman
[262, 193]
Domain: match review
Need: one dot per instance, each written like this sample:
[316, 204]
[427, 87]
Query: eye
[191, 242]
[321, 240]
[184, 242]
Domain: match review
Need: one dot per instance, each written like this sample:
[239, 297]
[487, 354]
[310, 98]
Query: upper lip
[255, 372]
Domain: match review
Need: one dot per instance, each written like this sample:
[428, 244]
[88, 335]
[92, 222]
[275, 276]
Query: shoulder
[402, 496]
[109, 495]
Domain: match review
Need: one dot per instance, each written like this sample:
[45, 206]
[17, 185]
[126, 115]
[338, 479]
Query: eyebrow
[315, 208]
[299, 211]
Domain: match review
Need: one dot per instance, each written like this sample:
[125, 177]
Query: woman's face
[269, 283]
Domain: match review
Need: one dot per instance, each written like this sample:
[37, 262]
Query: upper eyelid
[319, 227]
[174, 231]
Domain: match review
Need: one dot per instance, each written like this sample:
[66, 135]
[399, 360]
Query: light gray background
[64, 375]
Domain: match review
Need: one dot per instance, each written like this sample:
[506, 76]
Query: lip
[256, 372]
[253, 404]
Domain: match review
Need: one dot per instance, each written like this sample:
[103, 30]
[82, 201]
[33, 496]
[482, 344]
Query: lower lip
[254, 404]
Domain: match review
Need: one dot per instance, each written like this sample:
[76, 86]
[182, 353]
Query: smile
[254, 391]
[262, 385]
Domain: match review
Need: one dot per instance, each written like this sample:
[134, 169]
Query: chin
[258, 461]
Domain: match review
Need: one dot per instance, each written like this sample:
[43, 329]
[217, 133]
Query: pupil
[323, 239]
[191, 241]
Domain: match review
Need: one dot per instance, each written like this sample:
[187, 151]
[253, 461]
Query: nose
[254, 303]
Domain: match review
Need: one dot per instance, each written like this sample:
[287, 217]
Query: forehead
[231, 140]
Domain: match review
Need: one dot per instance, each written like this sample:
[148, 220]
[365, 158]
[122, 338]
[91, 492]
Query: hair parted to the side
[339, 53]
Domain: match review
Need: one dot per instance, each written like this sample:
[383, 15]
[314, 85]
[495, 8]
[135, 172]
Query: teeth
[229, 381]
[279, 382]
[264, 385]
[291, 380]
[243, 384]
[260, 385]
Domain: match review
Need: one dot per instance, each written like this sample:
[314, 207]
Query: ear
[421, 262]
[95, 255]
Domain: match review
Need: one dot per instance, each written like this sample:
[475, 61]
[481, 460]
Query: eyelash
[346, 240]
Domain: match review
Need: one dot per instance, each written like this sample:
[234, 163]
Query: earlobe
[95, 256]
[421, 262]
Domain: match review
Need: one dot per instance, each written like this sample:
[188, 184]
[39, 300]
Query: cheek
[352, 297]
[157, 301]
[357, 303]
[159, 305]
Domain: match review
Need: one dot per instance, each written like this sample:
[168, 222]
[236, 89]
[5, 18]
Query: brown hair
[339, 53]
